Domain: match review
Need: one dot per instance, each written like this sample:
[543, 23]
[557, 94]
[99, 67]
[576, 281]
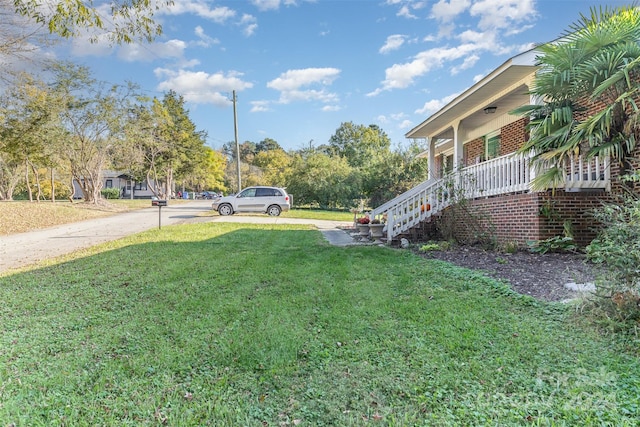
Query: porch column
[431, 143]
[457, 148]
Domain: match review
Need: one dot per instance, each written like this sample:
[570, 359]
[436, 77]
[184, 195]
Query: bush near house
[110, 193]
[617, 248]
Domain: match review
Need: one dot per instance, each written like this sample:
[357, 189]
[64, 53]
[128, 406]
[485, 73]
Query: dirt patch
[541, 276]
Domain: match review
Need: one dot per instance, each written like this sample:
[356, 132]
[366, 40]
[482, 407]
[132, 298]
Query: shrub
[617, 250]
[617, 246]
[110, 193]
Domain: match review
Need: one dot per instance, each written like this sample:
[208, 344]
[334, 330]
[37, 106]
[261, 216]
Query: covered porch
[473, 154]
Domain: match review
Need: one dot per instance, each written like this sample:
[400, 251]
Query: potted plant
[363, 227]
[376, 228]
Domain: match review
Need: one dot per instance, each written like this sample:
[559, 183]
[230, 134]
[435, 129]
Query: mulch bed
[541, 276]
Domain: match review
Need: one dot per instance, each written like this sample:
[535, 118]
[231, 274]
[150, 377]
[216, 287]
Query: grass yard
[237, 325]
[22, 216]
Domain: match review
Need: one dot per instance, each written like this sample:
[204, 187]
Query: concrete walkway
[20, 250]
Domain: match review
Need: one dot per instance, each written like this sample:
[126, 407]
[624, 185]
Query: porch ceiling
[469, 105]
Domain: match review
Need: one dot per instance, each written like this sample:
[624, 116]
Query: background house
[129, 189]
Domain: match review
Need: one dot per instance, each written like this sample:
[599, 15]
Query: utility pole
[235, 128]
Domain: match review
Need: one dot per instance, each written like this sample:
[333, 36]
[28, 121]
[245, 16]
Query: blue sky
[300, 68]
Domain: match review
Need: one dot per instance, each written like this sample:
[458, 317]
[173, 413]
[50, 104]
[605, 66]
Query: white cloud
[81, 46]
[468, 62]
[400, 76]
[495, 14]
[331, 108]
[291, 85]
[405, 12]
[393, 42]
[199, 8]
[219, 15]
[405, 124]
[260, 106]
[205, 40]
[434, 105]
[294, 79]
[250, 24]
[266, 4]
[200, 87]
[143, 52]
[446, 11]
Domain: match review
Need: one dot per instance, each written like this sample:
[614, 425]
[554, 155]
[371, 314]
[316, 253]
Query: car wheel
[274, 210]
[225, 210]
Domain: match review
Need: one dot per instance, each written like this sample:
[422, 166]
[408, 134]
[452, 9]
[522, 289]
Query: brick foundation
[519, 218]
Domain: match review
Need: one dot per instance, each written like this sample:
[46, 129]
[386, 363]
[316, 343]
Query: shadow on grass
[230, 324]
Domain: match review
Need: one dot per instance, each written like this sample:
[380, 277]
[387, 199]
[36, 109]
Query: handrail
[506, 174]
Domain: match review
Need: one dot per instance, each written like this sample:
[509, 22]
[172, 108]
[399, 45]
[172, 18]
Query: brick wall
[473, 150]
[513, 136]
[519, 218]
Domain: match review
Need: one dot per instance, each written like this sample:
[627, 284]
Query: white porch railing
[512, 173]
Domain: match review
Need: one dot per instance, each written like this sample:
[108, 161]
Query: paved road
[19, 250]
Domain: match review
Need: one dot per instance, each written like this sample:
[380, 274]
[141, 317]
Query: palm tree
[597, 62]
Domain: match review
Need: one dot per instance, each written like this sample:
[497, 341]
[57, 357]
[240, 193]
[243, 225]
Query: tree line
[357, 167]
[71, 128]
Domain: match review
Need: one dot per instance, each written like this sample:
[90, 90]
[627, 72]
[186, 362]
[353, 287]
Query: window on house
[108, 183]
[492, 146]
[447, 163]
[141, 185]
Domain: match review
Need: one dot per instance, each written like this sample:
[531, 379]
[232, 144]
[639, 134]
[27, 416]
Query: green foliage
[125, 22]
[595, 62]
[435, 246]
[552, 244]
[617, 250]
[110, 193]
[510, 247]
[617, 246]
[318, 178]
[205, 328]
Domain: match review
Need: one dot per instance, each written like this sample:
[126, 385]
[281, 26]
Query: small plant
[428, 247]
[552, 244]
[510, 247]
[375, 221]
[435, 246]
[363, 220]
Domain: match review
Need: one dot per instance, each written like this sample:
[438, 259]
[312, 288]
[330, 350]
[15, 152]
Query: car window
[249, 192]
[267, 192]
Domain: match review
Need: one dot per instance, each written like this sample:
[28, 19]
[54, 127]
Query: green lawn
[237, 325]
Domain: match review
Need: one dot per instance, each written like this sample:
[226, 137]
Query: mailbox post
[159, 204]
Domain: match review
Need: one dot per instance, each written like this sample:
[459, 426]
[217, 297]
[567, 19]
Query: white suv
[271, 200]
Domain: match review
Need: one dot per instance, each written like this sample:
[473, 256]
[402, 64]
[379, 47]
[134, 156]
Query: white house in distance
[129, 189]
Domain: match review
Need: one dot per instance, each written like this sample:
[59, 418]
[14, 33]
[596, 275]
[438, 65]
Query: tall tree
[359, 144]
[209, 173]
[267, 144]
[30, 131]
[597, 62]
[275, 165]
[94, 116]
[327, 181]
[175, 147]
